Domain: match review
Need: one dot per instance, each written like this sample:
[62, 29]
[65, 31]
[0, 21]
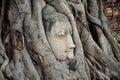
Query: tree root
[100, 74]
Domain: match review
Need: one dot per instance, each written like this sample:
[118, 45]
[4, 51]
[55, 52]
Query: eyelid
[61, 34]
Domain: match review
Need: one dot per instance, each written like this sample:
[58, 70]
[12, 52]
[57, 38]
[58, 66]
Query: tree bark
[25, 52]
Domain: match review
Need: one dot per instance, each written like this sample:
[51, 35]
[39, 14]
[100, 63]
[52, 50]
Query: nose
[70, 43]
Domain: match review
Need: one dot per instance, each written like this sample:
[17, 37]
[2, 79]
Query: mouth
[70, 56]
[69, 51]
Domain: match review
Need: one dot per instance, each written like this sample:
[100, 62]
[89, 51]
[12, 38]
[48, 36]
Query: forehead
[58, 26]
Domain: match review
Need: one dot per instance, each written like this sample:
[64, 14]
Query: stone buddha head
[59, 35]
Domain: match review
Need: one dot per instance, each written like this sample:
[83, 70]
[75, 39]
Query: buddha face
[60, 40]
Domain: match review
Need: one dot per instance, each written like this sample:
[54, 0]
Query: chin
[61, 57]
[70, 56]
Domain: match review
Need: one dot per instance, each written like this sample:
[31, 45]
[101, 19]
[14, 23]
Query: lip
[70, 55]
[69, 51]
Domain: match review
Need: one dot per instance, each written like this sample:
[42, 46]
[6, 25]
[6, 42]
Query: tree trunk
[26, 53]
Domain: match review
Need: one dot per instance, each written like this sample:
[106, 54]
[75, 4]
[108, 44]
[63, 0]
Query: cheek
[58, 45]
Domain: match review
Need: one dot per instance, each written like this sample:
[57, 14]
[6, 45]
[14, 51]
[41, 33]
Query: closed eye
[61, 34]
